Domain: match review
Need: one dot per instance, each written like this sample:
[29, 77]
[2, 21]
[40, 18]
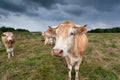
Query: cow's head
[65, 36]
[50, 32]
[9, 36]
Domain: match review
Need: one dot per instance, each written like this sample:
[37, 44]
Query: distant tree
[10, 29]
[3, 29]
[108, 30]
[22, 30]
[117, 29]
[6, 29]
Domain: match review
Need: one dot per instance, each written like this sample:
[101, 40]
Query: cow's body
[8, 40]
[71, 43]
[48, 36]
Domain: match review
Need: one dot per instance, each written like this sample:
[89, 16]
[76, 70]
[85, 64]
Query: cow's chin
[60, 56]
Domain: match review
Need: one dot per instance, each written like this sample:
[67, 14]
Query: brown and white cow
[8, 39]
[71, 43]
[49, 36]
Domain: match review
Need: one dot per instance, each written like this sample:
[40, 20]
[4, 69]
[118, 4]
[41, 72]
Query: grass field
[33, 59]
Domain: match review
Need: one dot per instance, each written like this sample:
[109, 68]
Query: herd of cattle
[70, 41]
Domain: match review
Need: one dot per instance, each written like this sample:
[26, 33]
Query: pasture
[33, 59]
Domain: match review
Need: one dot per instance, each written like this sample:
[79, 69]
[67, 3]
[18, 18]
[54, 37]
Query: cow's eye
[71, 33]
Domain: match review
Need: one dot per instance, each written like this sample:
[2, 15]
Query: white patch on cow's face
[9, 37]
[51, 40]
[65, 43]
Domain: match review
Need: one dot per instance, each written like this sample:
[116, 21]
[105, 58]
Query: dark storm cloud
[4, 4]
[102, 5]
[73, 10]
[25, 5]
[49, 4]
[42, 3]
[4, 13]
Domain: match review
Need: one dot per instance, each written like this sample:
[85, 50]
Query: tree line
[5, 29]
[98, 30]
[108, 30]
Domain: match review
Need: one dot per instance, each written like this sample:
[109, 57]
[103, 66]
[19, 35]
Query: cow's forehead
[64, 28]
[8, 33]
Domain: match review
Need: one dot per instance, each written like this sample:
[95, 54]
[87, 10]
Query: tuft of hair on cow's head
[81, 29]
[3, 34]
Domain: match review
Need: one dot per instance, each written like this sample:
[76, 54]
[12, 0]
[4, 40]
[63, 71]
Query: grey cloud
[102, 5]
[25, 5]
[3, 13]
[74, 10]
[48, 4]
[17, 7]
[4, 4]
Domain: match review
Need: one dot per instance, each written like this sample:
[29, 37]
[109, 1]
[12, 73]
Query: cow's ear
[49, 27]
[3, 34]
[52, 27]
[82, 29]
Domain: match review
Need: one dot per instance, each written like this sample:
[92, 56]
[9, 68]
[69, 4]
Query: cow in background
[49, 36]
[71, 43]
[8, 39]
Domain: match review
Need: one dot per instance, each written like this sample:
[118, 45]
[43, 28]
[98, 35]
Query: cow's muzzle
[10, 41]
[57, 52]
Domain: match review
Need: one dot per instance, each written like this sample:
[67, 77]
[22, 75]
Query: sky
[37, 15]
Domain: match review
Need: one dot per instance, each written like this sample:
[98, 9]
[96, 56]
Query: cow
[8, 39]
[49, 36]
[71, 43]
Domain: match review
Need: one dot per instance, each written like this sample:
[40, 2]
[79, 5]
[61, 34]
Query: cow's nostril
[61, 51]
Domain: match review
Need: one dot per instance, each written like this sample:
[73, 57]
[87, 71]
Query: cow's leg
[12, 53]
[69, 67]
[77, 65]
[69, 72]
[9, 55]
[8, 51]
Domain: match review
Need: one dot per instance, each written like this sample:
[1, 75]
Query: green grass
[33, 59]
